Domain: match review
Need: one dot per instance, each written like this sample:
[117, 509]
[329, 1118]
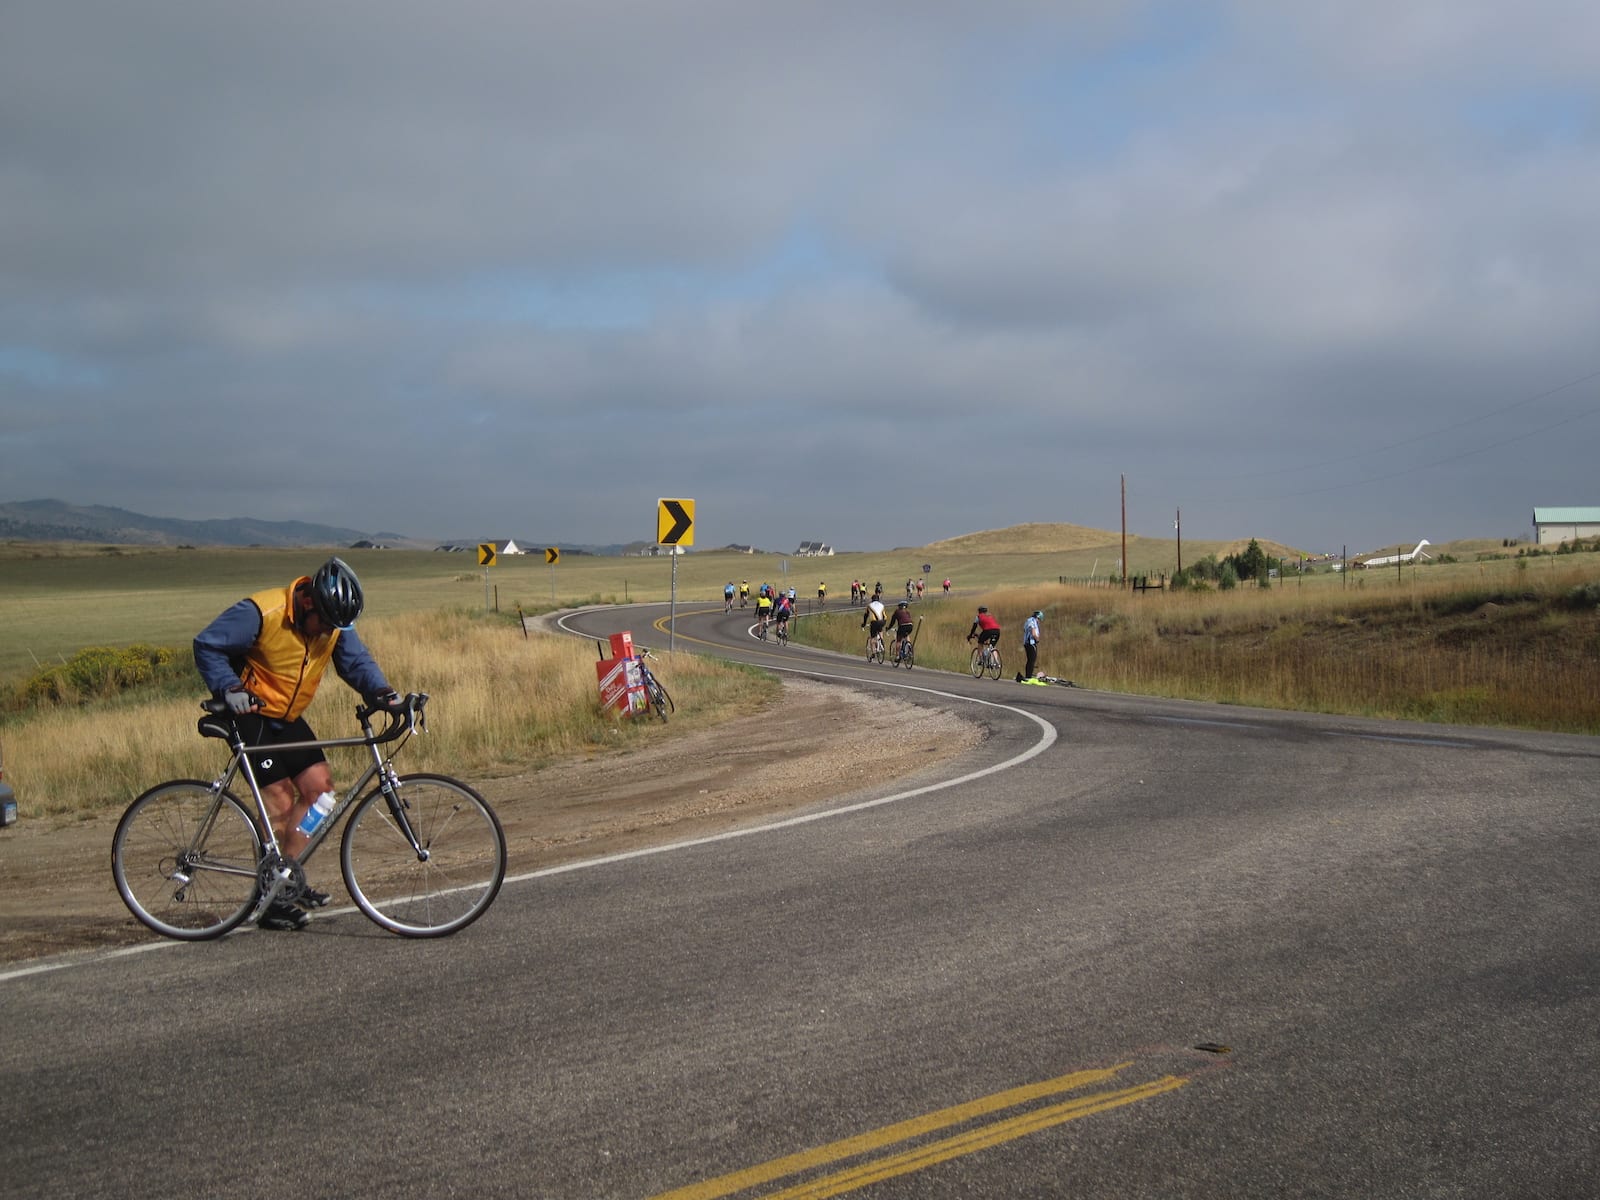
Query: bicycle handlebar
[404, 713]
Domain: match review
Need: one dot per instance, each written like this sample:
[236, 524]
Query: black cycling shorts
[989, 637]
[874, 628]
[264, 731]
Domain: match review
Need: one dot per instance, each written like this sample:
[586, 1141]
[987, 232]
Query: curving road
[1142, 948]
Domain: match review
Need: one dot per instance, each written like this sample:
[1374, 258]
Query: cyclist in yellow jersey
[763, 610]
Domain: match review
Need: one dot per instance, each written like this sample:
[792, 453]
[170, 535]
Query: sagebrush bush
[101, 672]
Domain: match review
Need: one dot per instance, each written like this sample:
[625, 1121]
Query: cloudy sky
[871, 273]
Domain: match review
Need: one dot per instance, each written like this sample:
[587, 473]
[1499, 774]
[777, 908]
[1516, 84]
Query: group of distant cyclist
[985, 631]
[775, 606]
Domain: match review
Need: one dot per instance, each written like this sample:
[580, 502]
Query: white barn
[1552, 526]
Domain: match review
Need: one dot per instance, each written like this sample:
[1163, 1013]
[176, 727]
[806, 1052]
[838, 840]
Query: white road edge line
[1047, 738]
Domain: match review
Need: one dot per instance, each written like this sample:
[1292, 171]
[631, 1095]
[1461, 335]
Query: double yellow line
[927, 1154]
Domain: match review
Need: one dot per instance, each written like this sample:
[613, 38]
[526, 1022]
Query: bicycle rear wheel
[977, 663]
[994, 663]
[184, 858]
[910, 658]
[660, 699]
[446, 885]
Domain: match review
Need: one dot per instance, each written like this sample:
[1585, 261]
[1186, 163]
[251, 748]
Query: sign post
[486, 557]
[674, 527]
[552, 555]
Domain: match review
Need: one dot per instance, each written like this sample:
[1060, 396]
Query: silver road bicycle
[422, 855]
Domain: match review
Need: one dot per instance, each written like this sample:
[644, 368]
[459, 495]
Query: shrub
[100, 672]
[1585, 595]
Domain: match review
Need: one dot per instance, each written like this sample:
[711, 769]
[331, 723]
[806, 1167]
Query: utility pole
[1177, 524]
[1124, 479]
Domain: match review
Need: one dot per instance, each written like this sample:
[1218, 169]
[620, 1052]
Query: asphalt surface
[1140, 948]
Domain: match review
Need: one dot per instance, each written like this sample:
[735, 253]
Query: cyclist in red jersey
[985, 629]
[902, 629]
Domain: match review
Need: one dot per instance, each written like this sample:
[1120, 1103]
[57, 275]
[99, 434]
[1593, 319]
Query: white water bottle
[317, 813]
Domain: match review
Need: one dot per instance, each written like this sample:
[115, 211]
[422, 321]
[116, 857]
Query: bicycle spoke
[444, 887]
[184, 860]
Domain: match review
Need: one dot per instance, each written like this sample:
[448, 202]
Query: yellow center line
[973, 1140]
[660, 626]
[726, 1185]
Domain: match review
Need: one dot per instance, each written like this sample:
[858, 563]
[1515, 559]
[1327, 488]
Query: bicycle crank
[278, 878]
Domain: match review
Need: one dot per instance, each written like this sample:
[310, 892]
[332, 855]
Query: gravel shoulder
[821, 743]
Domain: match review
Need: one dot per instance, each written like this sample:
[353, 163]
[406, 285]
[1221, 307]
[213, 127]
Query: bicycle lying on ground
[986, 657]
[423, 855]
[660, 698]
[1047, 680]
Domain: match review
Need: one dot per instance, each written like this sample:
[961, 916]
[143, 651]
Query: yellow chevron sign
[675, 522]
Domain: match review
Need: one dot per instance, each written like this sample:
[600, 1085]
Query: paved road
[1383, 935]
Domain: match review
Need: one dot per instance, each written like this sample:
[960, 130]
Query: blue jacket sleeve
[356, 666]
[223, 642]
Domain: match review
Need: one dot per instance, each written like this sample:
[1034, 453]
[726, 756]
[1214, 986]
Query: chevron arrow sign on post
[675, 522]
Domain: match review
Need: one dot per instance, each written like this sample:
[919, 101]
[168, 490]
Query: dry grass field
[1489, 639]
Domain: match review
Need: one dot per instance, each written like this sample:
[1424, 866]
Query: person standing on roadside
[264, 658]
[1030, 645]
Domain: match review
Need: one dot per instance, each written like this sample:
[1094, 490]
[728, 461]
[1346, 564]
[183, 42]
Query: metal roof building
[1552, 526]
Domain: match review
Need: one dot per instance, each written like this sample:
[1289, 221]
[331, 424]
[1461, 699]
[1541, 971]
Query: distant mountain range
[58, 521]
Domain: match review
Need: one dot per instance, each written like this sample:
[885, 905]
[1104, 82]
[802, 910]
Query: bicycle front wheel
[184, 858]
[440, 883]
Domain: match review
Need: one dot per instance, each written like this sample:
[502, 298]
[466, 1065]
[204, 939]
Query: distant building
[1551, 526]
[814, 550]
[501, 546]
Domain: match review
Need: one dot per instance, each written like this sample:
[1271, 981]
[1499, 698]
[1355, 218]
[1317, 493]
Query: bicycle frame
[403, 723]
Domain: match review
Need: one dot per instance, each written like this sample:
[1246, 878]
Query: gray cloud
[487, 268]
